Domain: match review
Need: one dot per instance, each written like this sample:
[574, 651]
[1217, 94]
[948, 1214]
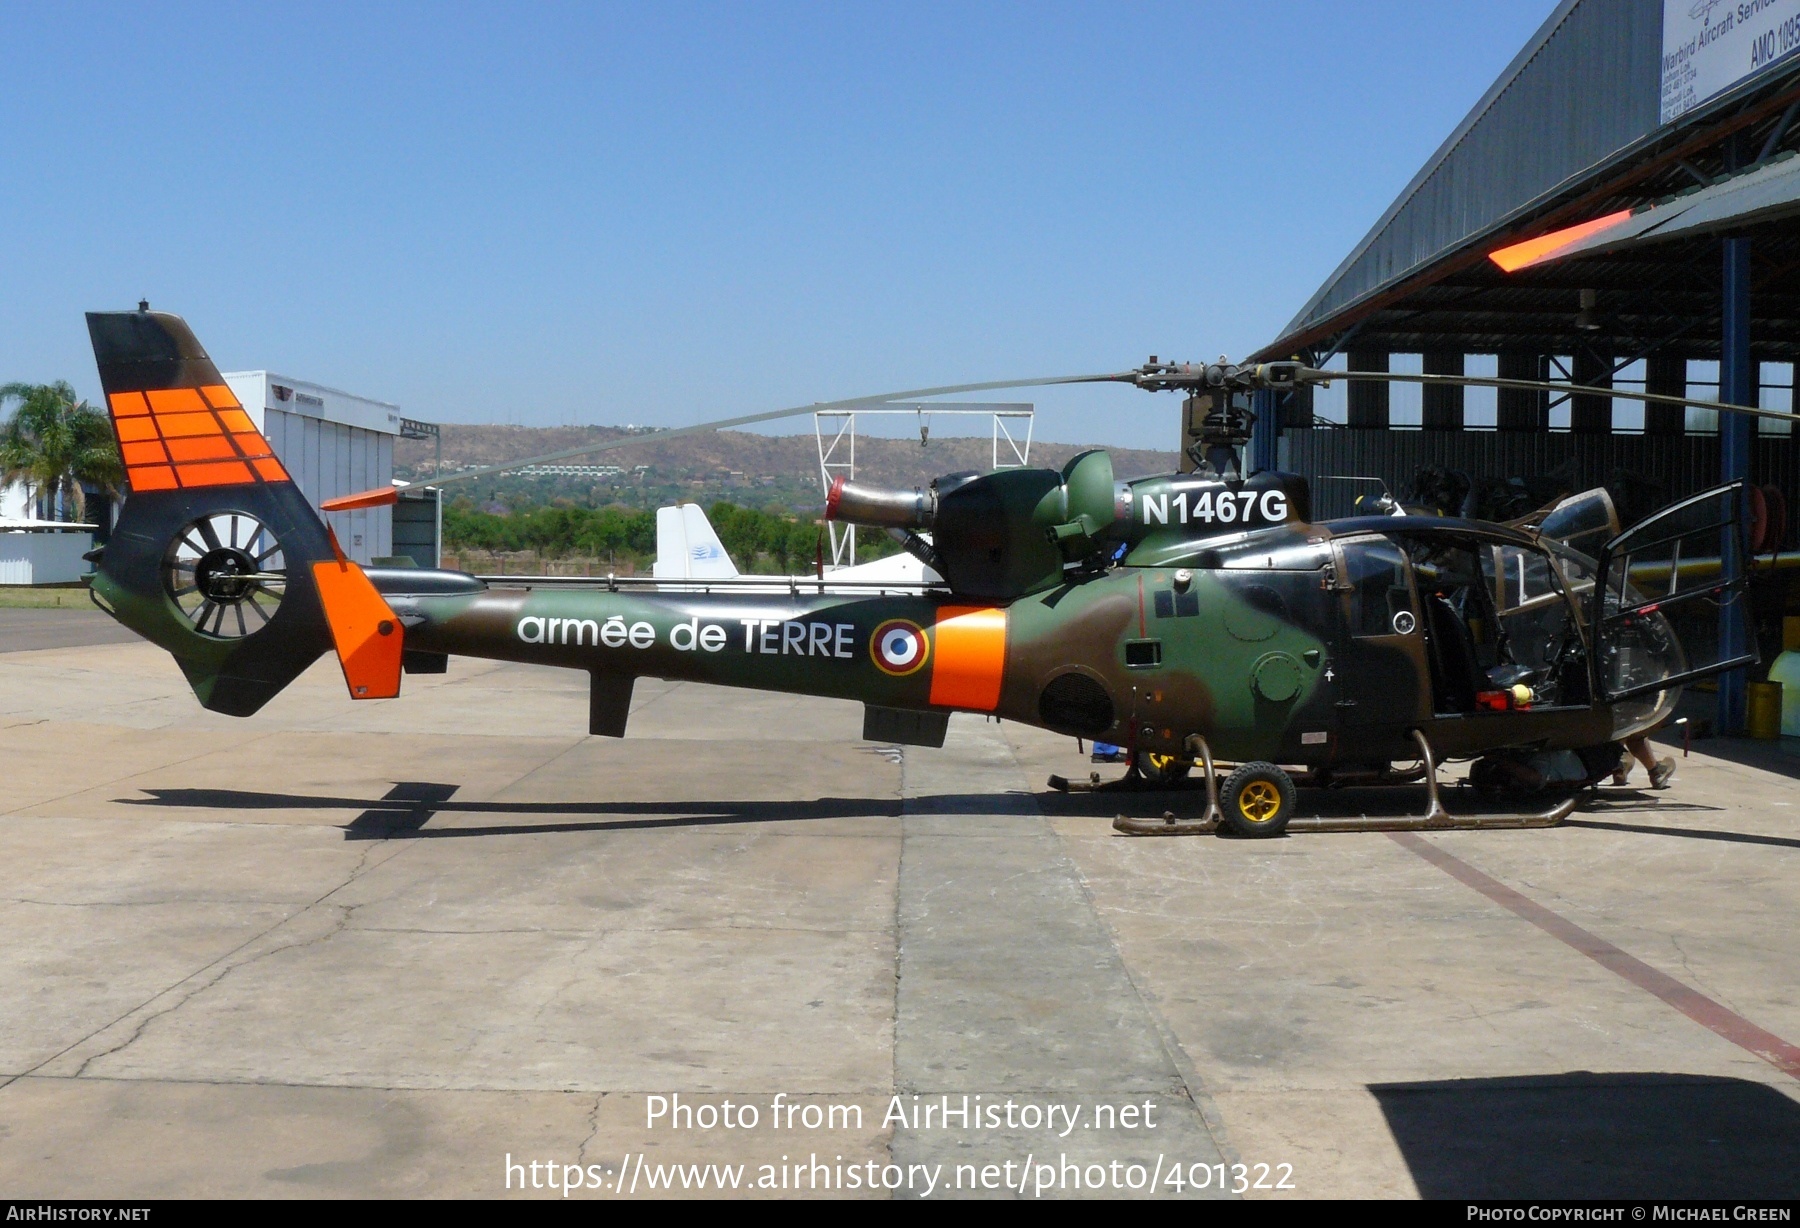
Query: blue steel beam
[1735, 438]
[1265, 436]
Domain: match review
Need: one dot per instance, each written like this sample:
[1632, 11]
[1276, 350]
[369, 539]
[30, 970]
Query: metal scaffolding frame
[837, 457]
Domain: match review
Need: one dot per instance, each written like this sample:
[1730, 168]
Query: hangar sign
[1711, 45]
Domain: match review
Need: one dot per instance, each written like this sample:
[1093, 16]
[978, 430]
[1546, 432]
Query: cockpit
[1499, 616]
[1504, 621]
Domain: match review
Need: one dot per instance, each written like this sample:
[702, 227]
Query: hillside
[747, 469]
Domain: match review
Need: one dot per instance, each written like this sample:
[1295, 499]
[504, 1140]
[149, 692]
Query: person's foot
[1622, 773]
[1659, 775]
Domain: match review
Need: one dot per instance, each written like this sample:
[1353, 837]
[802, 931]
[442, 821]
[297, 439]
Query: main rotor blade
[1306, 376]
[1536, 385]
[911, 394]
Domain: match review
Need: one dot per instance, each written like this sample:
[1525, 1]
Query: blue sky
[547, 213]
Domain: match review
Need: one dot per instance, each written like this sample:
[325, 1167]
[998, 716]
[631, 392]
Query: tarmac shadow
[1687, 833]
[405, 811]
[1586, 1135]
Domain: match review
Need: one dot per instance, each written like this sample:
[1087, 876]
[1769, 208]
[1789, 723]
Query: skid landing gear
[1148, 773]
[1435, 818]
[1209, 821]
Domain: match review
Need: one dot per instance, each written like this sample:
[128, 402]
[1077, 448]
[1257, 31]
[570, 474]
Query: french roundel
[899, 647]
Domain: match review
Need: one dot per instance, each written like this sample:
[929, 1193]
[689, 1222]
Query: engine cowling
[1000, 535]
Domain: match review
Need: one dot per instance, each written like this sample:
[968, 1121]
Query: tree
[54, 443]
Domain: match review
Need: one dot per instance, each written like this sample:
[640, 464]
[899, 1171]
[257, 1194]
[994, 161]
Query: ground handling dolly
[1259, 801]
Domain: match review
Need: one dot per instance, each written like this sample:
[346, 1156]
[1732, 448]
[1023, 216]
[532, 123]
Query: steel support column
[1368, 400]
[1520, 409]
[1665, 374]
[1736, 387]
[1591, 415]
[1265, 436]
[1442, 406]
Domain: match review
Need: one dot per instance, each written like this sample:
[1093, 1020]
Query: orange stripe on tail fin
[206, 490]
[172, 395]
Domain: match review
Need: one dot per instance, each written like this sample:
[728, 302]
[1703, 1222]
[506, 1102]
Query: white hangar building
[332, 443]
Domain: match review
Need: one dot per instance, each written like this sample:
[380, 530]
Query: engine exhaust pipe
[854, 503]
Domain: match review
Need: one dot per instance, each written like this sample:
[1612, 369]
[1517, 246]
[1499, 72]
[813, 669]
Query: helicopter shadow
[1610, 807]
[405, 811]
[1687, 833]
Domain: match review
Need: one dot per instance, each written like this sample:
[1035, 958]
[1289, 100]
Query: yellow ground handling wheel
[1257, 800]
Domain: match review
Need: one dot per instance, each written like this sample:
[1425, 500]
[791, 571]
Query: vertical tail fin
[687, 547]
[215, 551]
[179, 426]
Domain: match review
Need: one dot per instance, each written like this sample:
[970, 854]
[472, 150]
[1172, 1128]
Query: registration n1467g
[1215, 503]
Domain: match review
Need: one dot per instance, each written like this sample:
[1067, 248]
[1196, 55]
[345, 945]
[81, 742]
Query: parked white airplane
[688, 548]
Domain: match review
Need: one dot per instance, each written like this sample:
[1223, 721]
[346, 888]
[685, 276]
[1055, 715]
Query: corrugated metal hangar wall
[1678, 123]
[333, 444]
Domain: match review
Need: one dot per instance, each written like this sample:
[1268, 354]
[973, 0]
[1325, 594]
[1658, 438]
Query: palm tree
[54, 443]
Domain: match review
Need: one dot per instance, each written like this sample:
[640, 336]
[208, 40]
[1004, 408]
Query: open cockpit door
[1663, 586]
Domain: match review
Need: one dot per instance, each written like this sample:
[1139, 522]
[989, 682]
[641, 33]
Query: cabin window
[1496, 616]
[1464, 639]
[1380, 598]
[1456, 590]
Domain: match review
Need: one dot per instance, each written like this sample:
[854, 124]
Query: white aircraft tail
[687, 548]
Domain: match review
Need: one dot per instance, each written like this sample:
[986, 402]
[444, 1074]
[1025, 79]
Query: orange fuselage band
[969, 657]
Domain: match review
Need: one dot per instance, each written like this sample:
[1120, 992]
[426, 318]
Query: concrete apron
[1011, 989]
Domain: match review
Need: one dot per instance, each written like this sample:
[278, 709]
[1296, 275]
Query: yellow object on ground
[1785, 669]
[1790, 633]
[1764, 716]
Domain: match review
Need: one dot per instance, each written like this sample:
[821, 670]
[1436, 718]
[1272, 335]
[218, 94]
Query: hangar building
[332, 443]
[1634, 168]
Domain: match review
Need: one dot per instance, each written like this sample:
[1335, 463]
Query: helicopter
[1201, 618]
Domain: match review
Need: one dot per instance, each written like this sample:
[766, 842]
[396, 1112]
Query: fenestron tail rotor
[227, 573]
[217, 555]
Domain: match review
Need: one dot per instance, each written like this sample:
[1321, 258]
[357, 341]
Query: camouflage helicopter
[1198, 617]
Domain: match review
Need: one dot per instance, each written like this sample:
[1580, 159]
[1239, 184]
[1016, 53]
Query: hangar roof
[1571, 131]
